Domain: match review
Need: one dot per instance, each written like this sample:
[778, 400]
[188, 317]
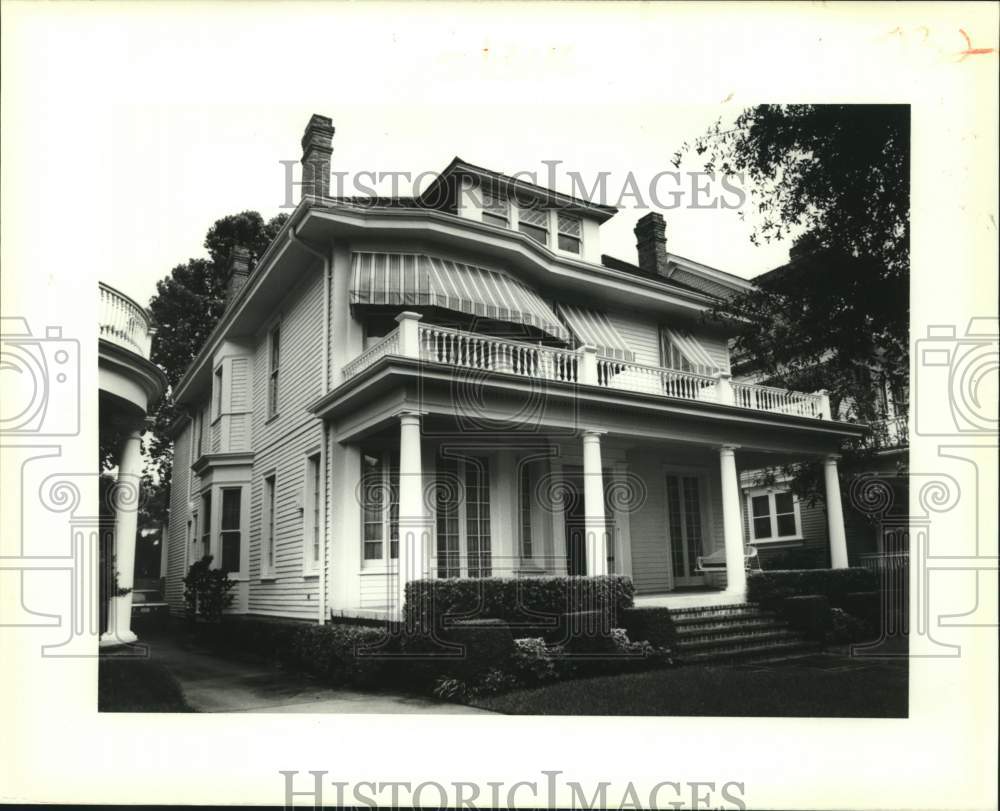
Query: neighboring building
[129, 386]
[792, 534]
[463, 385]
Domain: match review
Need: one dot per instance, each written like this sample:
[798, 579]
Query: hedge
[809, 613]
[769, 588]
[652, 625]
[530, 605]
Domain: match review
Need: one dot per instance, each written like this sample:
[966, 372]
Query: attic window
[496, 210]
[535, 223]
[570, 233]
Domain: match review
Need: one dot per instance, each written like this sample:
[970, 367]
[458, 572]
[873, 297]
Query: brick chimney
[317, 147]
[651, 242]
[238, 271]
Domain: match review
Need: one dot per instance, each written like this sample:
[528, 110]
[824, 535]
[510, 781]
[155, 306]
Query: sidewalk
[215, 684]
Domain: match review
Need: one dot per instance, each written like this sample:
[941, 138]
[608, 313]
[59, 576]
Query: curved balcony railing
[123, 322]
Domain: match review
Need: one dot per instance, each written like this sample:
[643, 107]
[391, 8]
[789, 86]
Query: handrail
[123, 322]
[389, 345]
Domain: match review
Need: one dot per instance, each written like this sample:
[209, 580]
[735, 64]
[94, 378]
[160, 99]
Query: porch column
[736, 576]
[594, 521]
[835, 514]
[126, 502]
[414, 526]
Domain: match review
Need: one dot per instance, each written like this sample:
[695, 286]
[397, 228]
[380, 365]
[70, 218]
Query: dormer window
[496, 210]
[534, 222]
[570, 233]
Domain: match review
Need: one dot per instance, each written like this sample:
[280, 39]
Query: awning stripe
[593, 327]
[691, 349]
[417, 279]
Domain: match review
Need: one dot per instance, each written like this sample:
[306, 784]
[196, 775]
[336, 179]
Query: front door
[684, 528]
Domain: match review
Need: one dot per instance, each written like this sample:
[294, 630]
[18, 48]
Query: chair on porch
[716, 561]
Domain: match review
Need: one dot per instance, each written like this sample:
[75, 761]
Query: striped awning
[430, 281]
[593, 327]
[692, 350]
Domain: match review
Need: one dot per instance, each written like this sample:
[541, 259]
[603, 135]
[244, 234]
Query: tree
[187, 306]
[837, 178]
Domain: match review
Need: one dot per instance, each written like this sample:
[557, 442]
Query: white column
[736, 576]
[414, 525]
[594, 522]
[126, 519]
[835, 515]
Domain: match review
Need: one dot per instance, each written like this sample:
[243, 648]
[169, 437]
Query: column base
[736, 595]
[111, 639]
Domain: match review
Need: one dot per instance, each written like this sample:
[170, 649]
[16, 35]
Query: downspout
[325, 378]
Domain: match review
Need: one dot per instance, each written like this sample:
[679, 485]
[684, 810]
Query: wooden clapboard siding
[641, 335]
[281, 445]
[177, 539]
[650, 552]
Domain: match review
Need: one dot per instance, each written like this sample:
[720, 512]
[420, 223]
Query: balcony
[483, 353]
[123, 322]
[889, 434]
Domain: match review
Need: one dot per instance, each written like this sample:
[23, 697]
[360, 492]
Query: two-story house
[461, 384]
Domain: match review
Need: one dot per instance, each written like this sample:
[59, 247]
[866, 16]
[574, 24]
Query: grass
[821, 686]
[127, 684]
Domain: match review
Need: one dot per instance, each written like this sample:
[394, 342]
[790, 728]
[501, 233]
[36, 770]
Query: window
[774, 516]
[570, 233]
[312, 533]
[673, 358]
[192, 538]
[525, 510]
[534, 222]
[217, 394]
[380, 505]
[272, 379]
[206, 524]
[462, 502]
[267, 554]
[496, 210]
[199, 430]
[229, 534]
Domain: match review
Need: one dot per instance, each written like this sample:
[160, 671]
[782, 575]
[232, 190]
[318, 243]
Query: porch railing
[123, 322]
[889, 433]
[885, 561]
[484, 353]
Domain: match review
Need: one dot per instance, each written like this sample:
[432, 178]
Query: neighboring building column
[414, 525]
[732, 524]
[594, 521]
[835, 515]
[126, 503]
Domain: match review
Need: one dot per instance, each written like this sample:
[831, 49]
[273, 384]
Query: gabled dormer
[568, 226]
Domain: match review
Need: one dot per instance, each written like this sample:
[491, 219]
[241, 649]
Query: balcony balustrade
[123, 322]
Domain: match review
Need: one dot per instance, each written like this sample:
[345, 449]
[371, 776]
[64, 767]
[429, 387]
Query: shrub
[529, 605]
[206, 591]
[866, 606]
[846, 628]
[486, 644]
[652, 625]
[809, 613]
[769, 588]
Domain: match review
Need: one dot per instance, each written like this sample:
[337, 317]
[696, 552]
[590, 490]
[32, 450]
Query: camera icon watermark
[37, 372]
[967, 368]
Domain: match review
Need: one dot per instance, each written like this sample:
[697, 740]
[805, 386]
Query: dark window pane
[494, 219]
[762, 527]
[569, 243]
[761, 506]
[786, 525]
[230, 509]
[533, 231]
[231, 551]
[784, 503]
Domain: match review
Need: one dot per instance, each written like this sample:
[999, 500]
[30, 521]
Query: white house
[463, 385]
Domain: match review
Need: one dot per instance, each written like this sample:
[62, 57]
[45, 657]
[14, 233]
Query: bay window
[534, 222]
[230, 533]
[570, 236]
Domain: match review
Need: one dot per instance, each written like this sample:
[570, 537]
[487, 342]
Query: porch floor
[688, 599]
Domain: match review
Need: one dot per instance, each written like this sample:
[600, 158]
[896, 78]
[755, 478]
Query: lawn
[133, 684]
[820, 686]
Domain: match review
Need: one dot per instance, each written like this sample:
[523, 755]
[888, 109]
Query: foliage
[187, 306]
[206, 591]
[846, 628]
[809, 613]
[769, 588]
[524, 603]
[837, 316]
[654, 625]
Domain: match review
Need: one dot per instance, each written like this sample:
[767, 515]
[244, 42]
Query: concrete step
[735, 632]
[767, 651]
[735, 640]
[730, 608]
[702, 625]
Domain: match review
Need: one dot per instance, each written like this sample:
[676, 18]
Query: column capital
[832, 458]
[410, 417]
[729, 449]
[593, 433]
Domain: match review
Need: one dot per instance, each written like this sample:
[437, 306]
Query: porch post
[126, 500]
[414, 526]
[594, 521]
[835, 515]
[736, 576]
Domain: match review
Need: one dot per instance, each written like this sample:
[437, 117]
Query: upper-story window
[496, 210]
[217, 394]
[274, 356]
[570, 233]
[534, 221]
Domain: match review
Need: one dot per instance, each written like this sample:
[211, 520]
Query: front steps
[735, 633]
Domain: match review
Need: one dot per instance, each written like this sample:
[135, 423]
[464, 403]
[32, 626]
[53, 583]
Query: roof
[458, 166]
[620, 264]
